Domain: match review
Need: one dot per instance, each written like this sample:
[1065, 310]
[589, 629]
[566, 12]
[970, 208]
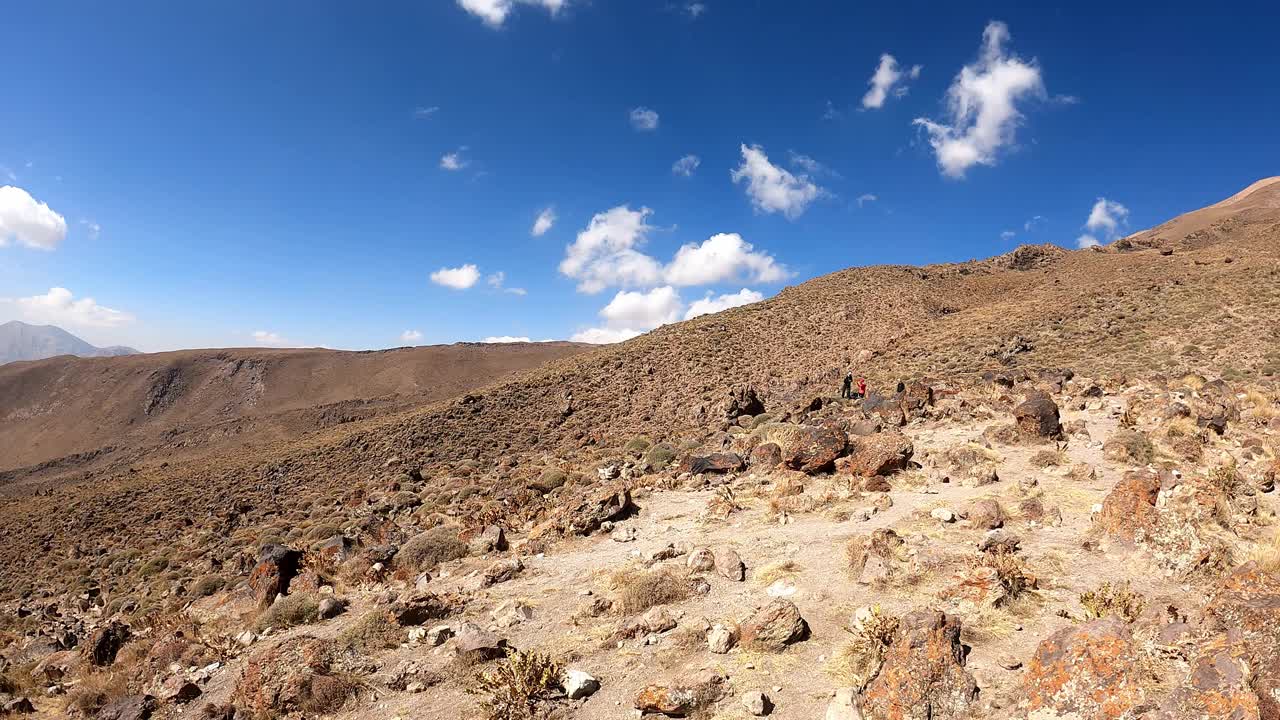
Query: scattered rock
[475, 644]
[721, 462]
[807, 448]
[729, 566]
[844, 706]
[131, 707]
[720, 639]
[501, 571]
[578, 684]
[701, 560]
[330, 607]
[757, 703]
[774, 627]
[439, 635]
[1130, 507]
[986, 514]
[943, 515]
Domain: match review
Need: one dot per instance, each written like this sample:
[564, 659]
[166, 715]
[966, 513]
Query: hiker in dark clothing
[902, 387]
[846, 388]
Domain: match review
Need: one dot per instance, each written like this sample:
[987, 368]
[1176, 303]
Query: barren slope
[198, 401]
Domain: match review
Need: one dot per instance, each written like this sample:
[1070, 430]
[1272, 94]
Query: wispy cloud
[686, 165]
[422, 113]
[60, 307]
[543, 222]
[455, 160]
[1106, 218]
[643, 119]
[865, 198]
[410, 337]
[494, 13]
[888, 80]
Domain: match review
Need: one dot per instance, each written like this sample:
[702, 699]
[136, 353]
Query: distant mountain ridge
[20, 341]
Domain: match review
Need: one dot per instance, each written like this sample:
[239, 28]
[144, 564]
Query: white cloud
[497, 282]
[982, 106]
[888, 79]
[29, 221]
[1008, 235]
[454, 161]
[643, 119]
[709, 304]
[865, 198]
[695, 9]
[632, 313]
[459, 278]
[268, 338]
[1106, 219]
[498, 339]
[543, 223]
[59, 307]
[92, 228]
[410, 336]
[494, 12]
[722, 257]
[1029, 225]
[686, 165]
[422, 113]
[771, 188]
[605, 254]
[603, 336]
[831, 112]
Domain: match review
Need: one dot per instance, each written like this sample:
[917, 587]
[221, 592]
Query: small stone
[730, 566]
[701, 560]
[439, 635]
[844, 706]
[414, 687]
[623, 535]
[578, 684]
[720, 639]
[1009, 662]
[330, 607]
[943, 515]
[756, 703]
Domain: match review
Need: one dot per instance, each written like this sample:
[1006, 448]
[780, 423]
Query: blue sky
[295, 173]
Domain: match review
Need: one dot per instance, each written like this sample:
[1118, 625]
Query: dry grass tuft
[774, 571]
[639, 590]
[326, 693]
[516, 686]
[1011, 571]
[857, 662]
[374, 630]
[96, 690]
[1267, 555]
[1113, 600]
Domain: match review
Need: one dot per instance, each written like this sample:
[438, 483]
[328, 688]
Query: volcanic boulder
[923, 675]
[1088, 671]
[1037, 417]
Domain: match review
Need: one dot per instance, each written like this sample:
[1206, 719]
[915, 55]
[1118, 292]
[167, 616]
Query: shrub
[1114, 600]
[1226, 477]
[1267, 555]
[516, 686]
[426, 550]
[324, 694]
[375, 630]
[637, 446]
[660, 457]
[291, 611]
[96, 690]
[639, 590]
[154, 566]
[549, 480]
[1129, 446]
[207, 585]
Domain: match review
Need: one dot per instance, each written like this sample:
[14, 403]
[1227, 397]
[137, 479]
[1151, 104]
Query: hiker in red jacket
[862, 387]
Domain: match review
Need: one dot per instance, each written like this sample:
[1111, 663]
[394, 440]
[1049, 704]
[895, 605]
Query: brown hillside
[197, 401]
[1145, 312]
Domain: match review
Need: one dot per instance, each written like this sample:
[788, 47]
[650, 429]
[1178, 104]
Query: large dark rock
[105, 644]
[1247, 604]
[883, 453]
[743, 401]
[1037, 417]
[276, 568]
[808, 448]
[721, 462]
[923, 675]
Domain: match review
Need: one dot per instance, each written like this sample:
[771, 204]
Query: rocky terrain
[1065, 509]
